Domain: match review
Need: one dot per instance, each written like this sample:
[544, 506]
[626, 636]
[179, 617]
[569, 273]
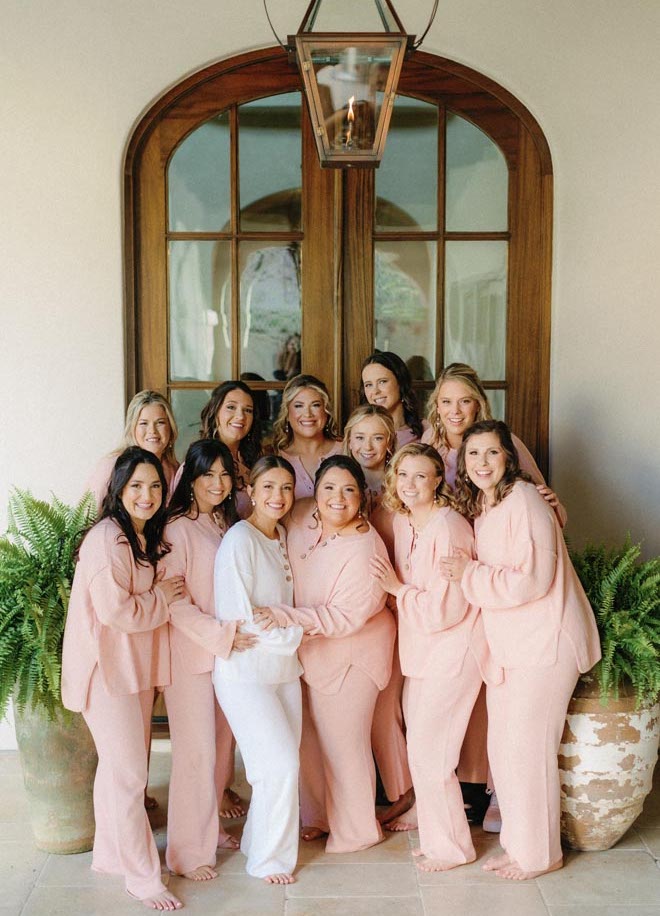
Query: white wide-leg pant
[266, 721]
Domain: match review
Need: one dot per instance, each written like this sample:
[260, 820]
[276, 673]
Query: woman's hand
[265, 618]
[382, 570]
[548, 495]
[242, 641]
[452, 568]
[173, 588]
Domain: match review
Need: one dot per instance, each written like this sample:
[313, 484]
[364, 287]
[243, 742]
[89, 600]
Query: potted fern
[610, 743]
[58, 758]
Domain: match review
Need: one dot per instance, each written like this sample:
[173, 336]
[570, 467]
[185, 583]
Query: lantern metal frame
[304, 48]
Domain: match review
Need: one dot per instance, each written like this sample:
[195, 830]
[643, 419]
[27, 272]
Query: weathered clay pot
[606, 761]
[59, 763]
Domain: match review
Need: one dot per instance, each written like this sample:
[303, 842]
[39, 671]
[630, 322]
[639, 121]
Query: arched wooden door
[243, 256]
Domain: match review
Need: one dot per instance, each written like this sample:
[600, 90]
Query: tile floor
[382, 881]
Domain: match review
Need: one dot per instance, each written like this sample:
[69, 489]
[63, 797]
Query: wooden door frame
[333, 285]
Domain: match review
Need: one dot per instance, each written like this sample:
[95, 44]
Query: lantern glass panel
[351, 81]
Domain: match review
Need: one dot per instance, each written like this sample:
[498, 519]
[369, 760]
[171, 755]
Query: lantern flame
[350, 117]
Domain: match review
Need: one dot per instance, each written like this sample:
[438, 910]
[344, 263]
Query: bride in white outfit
[259, 690]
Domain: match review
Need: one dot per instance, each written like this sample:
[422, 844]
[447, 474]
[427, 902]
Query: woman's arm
[528, 464]
[114, 602]
[211, 634]
[354, 598]
[531, 541]
[439, 603]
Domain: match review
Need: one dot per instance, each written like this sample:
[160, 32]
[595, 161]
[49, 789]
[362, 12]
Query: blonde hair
[466, 375]
[143, 399]
[282, 434]
[443, 495]
[364, 412]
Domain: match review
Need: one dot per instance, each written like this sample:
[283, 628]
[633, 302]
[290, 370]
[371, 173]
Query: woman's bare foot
[439, 865]
[407, 821]
[231, 805]
[515, 872]
[496, 862]
[203, 873]
[149, 801]
[308, 834]
[279, 879]
[400, 806]
[227, 841]
[162, 901]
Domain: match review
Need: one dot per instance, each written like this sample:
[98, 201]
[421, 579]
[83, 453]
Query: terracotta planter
[606, 761]
[59, 763]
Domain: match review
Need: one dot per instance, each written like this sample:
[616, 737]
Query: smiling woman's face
[234, 417]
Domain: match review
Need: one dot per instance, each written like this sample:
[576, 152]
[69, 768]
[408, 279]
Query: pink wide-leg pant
[388, 739]
[346, 781]
[192, 810]
[473, 762]
[437, 712]
[225, 749]
[526, 715]
[123, 842]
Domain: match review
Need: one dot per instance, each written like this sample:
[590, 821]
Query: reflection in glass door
[438, 233]
[234, 255]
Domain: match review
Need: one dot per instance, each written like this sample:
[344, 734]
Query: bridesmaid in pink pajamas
[442, 645]
[540, 628]
[150, 424]
[369, 437]
[305, 432]
[386, 382]
[458, 400]
[348, 660]
[200, 512]
[116, 651]
[231, 416]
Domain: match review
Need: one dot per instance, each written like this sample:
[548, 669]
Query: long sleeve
[115, 604]
[354, 599]
[528, 464]
[434, 609]
[214, 636]
[233, 581]
[431, 603]
[238, 561]
[531, 572]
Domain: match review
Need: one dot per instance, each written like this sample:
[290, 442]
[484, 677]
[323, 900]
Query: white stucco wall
[75, 79]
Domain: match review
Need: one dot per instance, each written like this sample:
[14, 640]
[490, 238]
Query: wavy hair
[113, 507]
[398, 368]
[443, 495]
[469, 498]
[466, 375]
[282, 433]
[249, 447]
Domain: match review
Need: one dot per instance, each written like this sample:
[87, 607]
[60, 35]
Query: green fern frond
[36, 571]
[625, 596]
